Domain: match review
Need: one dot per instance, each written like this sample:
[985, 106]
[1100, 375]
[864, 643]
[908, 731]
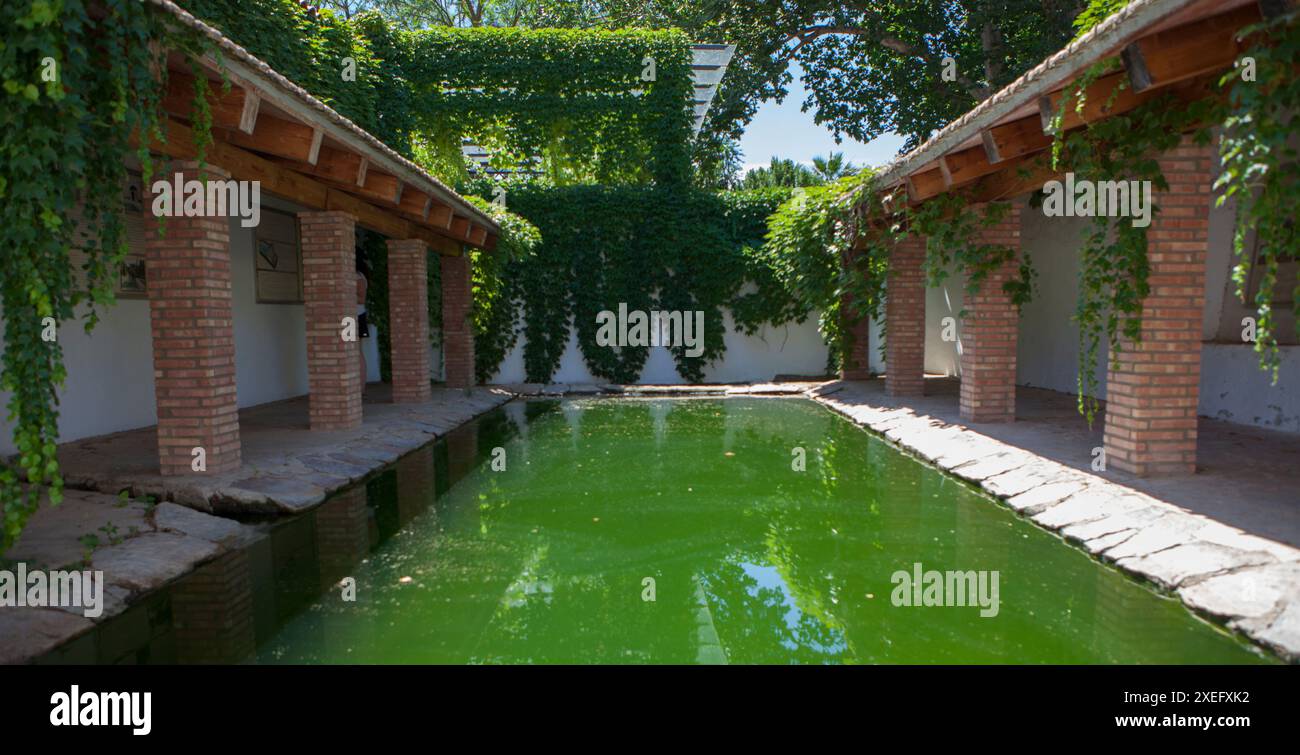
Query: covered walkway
[286, 465]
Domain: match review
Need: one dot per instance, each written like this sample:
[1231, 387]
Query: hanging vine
[77, 86]
[1113, 255]
[951, 229]
[1259, 160]
[825, 254]
[647, 247]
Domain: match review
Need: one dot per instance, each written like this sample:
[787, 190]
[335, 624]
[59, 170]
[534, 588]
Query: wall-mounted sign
[131, 275]
[277, 258]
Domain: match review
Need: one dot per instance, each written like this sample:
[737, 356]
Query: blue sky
[785, 131]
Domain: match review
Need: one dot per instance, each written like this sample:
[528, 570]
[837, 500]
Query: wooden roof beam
[1015, 139]
[460, 228]
[1187, 51]
[924, 184]
[276, 136]
[236, 109]
[280, 180]
[415, 202]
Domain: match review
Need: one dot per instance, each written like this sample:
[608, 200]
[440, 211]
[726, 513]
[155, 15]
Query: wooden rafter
[1182, 61]
[282, 181]
[294, 159]
[235, 109]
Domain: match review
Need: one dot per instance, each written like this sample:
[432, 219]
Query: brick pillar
[329, 289]
[1152, 388]
[415, 484]
[342, 526]
[212, 611]
[457, 327]
[408, 319]
[905, 319]
[990, 324]
[857, 363]
[191, 319]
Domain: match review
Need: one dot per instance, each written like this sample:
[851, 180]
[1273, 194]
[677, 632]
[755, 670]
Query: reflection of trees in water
[544, 562]
[757, 626]
[567, 617]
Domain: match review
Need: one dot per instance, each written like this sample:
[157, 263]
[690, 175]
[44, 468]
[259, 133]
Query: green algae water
[688, 531]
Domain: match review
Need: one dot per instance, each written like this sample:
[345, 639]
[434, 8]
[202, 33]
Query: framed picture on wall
[131, 281]
[277, 259]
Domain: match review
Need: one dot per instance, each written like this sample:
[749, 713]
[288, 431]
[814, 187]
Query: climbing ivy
[651, 248]
[325, 54]
[950, 227]
[810, 249]
[1258, 158]
[496, 293]
[574, 105]
[77, 83]
[562, 104]
[1113, 254]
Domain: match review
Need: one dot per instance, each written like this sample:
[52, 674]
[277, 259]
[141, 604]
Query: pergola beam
[282, 181]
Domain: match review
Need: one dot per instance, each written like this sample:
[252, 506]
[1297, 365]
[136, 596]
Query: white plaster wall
[1235, 389]
[110, 375]
[270, 339]
[790, 349]
[1048, 351]
[942, 301]
[109, 387]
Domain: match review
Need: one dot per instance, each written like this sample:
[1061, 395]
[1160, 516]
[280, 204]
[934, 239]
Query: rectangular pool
[688, 531]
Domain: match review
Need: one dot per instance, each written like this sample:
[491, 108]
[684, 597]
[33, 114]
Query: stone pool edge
[1239, 580]
[190, 525]
[1233, 578]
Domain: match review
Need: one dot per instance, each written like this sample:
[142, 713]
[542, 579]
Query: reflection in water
[212, 611]
[750, 561]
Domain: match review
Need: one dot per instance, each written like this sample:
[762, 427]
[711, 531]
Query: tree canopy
[871, 67]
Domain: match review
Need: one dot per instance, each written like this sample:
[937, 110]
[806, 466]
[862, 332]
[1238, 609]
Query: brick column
[990, 324]
[212, 611]
[905, 319]
[457, 327]
[415, 484]
[1152, 387]
[342, 527]
[857, 363]
[408, 319]
[191, 319]
[329, 289]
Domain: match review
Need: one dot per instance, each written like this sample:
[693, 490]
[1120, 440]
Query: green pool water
[679, 531]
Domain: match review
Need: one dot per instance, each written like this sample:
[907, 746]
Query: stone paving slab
[287, 468]
[138, 546]
[141, 546]
[1250, 583]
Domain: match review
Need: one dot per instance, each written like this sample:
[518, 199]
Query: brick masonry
[408, 320]
[191, 319]
[1153, 385]
[329, 289]
[342, 530]
[857, 365]
[457, 326]
[990, 324]
[905, 319]
[212, 611]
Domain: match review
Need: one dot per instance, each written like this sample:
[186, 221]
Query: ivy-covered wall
[568, 105]
[652, 248]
